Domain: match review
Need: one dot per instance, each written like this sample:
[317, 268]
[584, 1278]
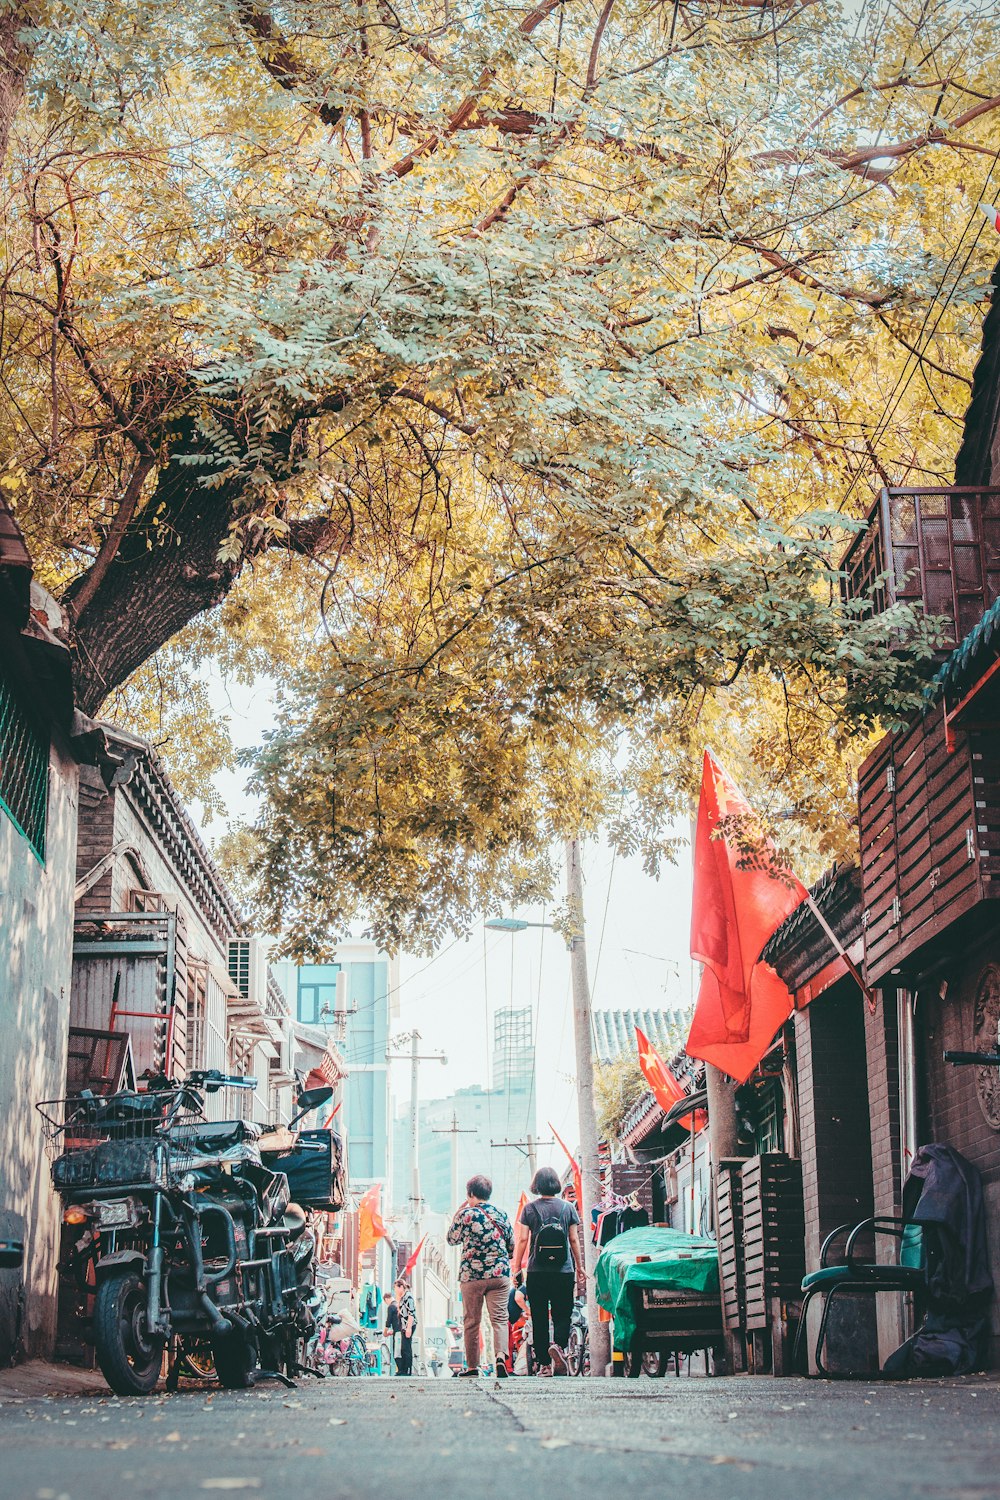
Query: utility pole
[454, 1130]
[528, 1147]
[600, 1344]
[416, 1058]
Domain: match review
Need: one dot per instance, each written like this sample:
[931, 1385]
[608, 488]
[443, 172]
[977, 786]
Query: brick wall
[952, 1112]
[882, 1043]
[835, 1142]
[96, 837]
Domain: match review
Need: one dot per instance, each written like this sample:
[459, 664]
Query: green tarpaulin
[677, 1262]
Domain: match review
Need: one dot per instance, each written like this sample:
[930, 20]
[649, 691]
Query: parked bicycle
[578, 1348]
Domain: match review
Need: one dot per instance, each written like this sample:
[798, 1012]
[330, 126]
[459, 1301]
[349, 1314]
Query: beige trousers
[494, 1294]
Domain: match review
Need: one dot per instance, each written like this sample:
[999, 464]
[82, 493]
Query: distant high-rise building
[513, 1050]
[359, 1009]
[482, 1119]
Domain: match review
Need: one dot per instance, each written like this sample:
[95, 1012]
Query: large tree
[537, 352]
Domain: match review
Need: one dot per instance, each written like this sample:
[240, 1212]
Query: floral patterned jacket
[487, 1240]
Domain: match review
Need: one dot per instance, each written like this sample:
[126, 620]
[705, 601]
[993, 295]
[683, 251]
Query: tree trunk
[167, 570]
[15, 59]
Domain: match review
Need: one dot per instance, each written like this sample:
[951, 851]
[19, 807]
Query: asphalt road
[737, 1439]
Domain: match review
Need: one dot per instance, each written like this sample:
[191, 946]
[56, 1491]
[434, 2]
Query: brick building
[921, 908]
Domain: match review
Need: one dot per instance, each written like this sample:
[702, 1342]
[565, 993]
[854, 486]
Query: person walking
[486, 1238]
[390, 1319]
[548, 1240]
[406, 1310]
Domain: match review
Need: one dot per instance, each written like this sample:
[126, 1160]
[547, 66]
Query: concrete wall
[36, 941]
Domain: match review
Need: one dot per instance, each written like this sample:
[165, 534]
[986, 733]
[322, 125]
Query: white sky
[637, 942]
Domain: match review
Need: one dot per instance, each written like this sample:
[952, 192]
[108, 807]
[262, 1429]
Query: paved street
[714, 1440]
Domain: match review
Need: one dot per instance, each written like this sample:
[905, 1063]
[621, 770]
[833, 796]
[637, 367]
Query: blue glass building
[369, 997]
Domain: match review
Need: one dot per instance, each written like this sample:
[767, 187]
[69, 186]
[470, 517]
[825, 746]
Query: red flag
[739, 901]
[666, 1089]
[407, 1270]
[371, 1227]
[577, 1176]
[521, 1204]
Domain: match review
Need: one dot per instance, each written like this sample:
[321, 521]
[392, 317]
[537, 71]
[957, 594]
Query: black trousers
[549, 1290]
[404, 1359]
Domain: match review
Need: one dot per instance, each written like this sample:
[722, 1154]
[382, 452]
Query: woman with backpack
[547, 1238]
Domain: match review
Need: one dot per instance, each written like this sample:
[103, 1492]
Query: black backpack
[551, 1245]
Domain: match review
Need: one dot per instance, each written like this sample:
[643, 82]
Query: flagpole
[852, 967]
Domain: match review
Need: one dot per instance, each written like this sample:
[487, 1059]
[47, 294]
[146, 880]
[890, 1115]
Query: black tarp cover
[943, 1194]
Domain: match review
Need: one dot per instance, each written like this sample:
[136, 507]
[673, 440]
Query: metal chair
[855, 1276]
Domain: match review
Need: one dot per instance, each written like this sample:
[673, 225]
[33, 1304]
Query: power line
[906, 373]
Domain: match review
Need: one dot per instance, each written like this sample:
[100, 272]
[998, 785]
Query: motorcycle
[184, 1232]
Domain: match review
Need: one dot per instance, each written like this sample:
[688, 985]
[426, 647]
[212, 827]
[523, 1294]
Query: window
[317, 1003]
[24, 770]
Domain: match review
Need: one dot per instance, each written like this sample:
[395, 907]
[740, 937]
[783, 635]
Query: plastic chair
[855, 1276]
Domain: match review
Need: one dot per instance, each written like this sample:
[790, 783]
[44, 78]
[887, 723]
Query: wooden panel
[730, 1239]
[773, 1232]
[917, 804]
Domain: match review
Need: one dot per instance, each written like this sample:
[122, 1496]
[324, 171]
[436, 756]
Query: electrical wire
[906, 374]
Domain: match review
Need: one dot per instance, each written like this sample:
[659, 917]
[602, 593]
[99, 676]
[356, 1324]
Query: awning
[685, 1106]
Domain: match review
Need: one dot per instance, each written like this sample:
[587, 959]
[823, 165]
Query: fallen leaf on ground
[737, 1463]
[171, 1437]
[338, 1422]
[554, 1443]
[230, 1484]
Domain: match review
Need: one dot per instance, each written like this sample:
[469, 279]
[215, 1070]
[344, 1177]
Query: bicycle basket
[95, 1142]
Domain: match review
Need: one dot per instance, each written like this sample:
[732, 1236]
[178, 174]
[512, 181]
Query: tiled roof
[614, 1031]
[800, 948]
[970, 657]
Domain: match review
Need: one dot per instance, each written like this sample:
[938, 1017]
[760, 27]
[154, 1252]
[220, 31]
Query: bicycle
[578, 1347]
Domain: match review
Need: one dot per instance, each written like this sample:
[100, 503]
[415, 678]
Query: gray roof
[614, 1031]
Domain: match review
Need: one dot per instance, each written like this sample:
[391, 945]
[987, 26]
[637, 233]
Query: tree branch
[77, 599]
[279, 60]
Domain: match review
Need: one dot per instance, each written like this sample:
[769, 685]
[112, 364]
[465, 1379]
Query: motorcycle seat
[294, 1220]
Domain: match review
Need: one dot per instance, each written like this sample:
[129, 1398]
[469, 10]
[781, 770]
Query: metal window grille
[24, 770]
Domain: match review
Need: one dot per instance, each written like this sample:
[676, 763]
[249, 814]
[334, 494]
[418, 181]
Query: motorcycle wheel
[235, 1357]
[129, 1357]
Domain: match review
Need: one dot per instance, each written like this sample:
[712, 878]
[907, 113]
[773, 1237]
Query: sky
[637, 948]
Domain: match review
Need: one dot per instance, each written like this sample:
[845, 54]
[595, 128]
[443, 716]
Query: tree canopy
[504, 381]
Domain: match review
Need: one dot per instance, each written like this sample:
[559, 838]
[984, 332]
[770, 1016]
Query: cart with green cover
[661, 1288]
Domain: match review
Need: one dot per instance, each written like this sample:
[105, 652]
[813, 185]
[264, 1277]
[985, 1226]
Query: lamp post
[600, 1350]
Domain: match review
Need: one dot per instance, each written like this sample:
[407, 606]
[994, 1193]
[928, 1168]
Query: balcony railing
[938, 548]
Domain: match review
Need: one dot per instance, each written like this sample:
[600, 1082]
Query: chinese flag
[740, 899]
[666, 1089]
[408, 1268]
[370, 1224]
[521, 1205]
[577, 1176]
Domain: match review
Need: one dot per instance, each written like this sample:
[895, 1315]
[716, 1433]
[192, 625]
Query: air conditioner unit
[248, 969]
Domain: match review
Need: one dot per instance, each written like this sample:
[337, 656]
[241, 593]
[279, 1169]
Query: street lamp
[512, 924]
[600, 1350]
